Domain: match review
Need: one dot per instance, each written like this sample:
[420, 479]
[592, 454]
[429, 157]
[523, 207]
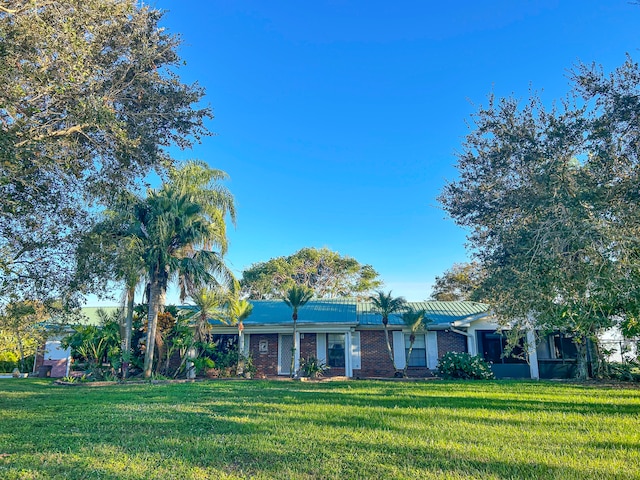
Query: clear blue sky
[338, 121]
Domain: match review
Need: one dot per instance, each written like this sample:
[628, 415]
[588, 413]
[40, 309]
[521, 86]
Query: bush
[312, 367]
[628, 371]
[463, 365]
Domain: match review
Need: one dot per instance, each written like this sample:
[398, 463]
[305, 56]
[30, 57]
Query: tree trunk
[160, 350]
[292, 373]
[582, 362]
[157, 297]
[240, 368]
[128, 327]
[406, 364]
[389, 349]
[22, 364]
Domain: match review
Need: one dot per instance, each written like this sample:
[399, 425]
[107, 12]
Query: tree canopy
[460, 282]
[551, 199]
[89, 101]
[326, 272]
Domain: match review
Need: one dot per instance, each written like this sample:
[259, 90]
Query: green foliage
[386, 304]
[96, 345]
[327, 273]
[465, 366]
[312, 367]
[22, 331]
[550, 200]
[90, 101]
[460, 282]
[628, 371]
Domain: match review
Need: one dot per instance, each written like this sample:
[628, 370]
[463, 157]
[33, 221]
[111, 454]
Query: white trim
[534, 369]
[432, 350]
[348, 369]
[296, 363]
[398, 349]
[321, 347]
[247, 344]
[356, 359]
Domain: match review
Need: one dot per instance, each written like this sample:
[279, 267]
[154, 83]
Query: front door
[285, 348]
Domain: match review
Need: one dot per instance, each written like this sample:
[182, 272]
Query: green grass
[281, 429]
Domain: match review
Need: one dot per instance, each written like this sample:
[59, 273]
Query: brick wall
[58, 367]
[308, 346]
[374, 356]
[451, 342]
[266, 363]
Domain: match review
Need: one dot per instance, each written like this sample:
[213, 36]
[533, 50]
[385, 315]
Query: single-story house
[348, 336]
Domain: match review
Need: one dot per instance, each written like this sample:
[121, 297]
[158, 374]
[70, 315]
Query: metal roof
[276, 312]
[439, 313]
[352, 311]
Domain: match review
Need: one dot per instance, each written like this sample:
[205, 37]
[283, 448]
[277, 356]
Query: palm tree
[296, 297]
[110, 250]
[209, 304]
[416, 322]
[385, 304]
[178, 237]
[238, 311]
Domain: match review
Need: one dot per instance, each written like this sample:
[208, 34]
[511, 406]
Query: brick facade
[308, 346]
[266, 363]
[374, 356]
[451, 342]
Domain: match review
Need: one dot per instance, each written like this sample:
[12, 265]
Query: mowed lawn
[354, 429]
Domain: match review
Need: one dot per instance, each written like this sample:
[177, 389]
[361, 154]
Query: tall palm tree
[209, 304]
[415, 320]
[238, 311]
[178, 237]
[295, 298]
[385, 304]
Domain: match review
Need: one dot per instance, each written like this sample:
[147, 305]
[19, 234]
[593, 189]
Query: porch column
[297, 356]
[241, 342]
[533, 355]
[348, 368]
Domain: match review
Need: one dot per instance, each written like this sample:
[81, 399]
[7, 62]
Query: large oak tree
[89, 100]
[550, 197]
[327, 273]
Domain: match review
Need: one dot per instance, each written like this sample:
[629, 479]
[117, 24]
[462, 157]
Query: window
[419, 352]
[563, 346]
[335, 347]
[493, 346]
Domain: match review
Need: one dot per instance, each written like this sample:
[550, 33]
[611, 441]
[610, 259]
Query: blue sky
[339, 121]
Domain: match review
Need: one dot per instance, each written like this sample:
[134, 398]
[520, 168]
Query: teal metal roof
[275, 312]
[351, 311]
[440, 313]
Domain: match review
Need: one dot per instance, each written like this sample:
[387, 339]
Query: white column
[356, 362]
[241, 342]
[533, 355]
[321, 347]
[398, 350]
[348, 370]
[297, 357]
[432, 350]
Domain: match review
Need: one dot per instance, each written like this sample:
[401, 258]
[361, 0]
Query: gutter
[470, 339]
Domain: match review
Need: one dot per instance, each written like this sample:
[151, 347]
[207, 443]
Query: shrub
[312, 367]
[628, 371]
[463, 365]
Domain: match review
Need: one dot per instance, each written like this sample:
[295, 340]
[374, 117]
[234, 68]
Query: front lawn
[282, 429]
